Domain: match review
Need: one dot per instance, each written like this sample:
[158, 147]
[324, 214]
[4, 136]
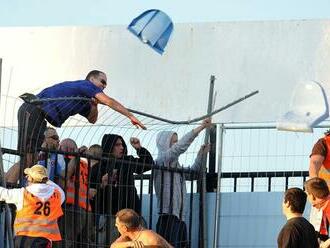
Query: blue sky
[109, 12]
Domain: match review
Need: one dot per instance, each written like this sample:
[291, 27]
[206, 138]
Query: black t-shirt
[297, 233]
[120, 193]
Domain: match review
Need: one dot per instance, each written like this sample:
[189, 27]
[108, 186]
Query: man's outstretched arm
[115, 105]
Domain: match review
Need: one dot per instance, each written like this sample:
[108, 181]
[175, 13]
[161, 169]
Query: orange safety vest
[39, 219]
[83, 186]
[325, 168]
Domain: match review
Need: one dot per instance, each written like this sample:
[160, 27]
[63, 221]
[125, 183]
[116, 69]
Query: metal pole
[196, 119]
[8, 241]
[202, 213]
[217, 201]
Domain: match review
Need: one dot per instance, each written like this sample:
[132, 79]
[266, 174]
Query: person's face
[174, 139]
[100, 81]
[51, 139]
[118, 149]
[121, 227]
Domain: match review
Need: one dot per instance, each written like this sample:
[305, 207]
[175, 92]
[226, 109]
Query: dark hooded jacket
[120, 192]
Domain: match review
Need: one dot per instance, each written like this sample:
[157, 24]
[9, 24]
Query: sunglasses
[103, 82]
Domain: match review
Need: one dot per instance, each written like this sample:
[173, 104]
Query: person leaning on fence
[73, 230]
[133, 234]
[115, 179]
[38, 208]
[319, 196]
[55, 162]
[32, 118]
[68, 145]
[89, 231]
[297, 232]
[171, 186]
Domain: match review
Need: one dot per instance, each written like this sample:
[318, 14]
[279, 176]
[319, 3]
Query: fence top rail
[261, 174]
[111, 160]
[30, 98]
[256, 126]
[264, 174]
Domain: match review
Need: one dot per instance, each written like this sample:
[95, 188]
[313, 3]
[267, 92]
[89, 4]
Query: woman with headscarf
[170, 187]
[115, 178]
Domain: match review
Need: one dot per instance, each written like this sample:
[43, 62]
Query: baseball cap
[37, 172]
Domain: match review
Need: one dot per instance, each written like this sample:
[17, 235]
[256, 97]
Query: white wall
[269, 56]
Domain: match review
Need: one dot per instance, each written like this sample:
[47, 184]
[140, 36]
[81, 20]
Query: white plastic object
[308, 107]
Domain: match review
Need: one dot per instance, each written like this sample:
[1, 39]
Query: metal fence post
[202, 209]
[220, 129]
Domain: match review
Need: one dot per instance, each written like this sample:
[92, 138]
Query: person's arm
[318, 154]
[325, 244]
[104, 180]
[122, 242]
[183, 144]
[145, 156]
[12, 175]
[198, 161]
[201, 153]
[93, 114]
[75, 162]
[315, 164]
[72, 167]
[205, 124]
[115, 105]
[14, 196]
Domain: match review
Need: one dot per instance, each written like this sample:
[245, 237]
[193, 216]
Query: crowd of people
[71, 196]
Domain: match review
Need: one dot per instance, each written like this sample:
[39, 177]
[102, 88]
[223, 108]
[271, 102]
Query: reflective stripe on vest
[83, 185]
[39, 218]
[34, 221]
[36, 229]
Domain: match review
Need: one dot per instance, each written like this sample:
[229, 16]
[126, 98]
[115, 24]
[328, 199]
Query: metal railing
[111, 163]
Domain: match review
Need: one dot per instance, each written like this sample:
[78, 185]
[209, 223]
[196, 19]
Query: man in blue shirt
[32, 118]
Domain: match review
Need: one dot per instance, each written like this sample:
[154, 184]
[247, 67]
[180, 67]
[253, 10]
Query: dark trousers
[173, 230]
[31, 242]
[31, 128]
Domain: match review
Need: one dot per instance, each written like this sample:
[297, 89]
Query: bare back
[144, 239]
[150, 239]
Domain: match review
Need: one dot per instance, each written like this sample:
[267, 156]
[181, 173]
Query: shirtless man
[133, 234]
